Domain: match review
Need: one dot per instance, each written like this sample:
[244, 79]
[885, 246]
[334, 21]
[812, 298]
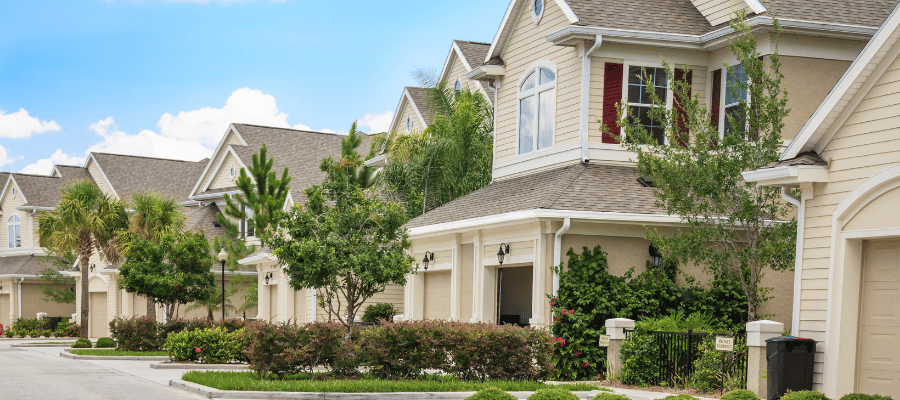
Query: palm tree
[155, 215]
[84, 220]
[213, 303]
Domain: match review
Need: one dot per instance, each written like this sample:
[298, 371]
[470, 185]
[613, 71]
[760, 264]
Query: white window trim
[669, 95]
[537, 17]
[10, 224]
[722, 106]
[232, 173]
[457, 83]
[535, 67]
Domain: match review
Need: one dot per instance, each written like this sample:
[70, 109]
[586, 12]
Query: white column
[416, 284]
[539, 283]
[478, 279]
[455, 278]
[757, 363]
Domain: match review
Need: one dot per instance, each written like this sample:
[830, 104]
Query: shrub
[639, 354]
[860, 396]
[553, 394]
[30, 325]
[804, 395]
[609, 396]
[136, 334]
[680, 397]
[284, 349]
[105, 342]
[208, 345]
[709, 374]
[491, 394]
[47, 333]
[744, 394]
[374, 312]
[82, 343]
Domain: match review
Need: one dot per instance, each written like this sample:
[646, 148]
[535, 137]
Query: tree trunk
[151, 308]
[83, 263]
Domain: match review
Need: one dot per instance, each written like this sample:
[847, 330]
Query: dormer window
[14, 228]
[408, 124]
[537, 10]
[537, 109]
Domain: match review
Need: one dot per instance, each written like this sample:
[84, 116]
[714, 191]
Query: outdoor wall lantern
[504, 250]
[429, 257]
[655, 257]
[92, 267]
[223, 255]
[268, 276]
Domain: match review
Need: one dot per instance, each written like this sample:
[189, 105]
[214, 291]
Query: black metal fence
[679, 352]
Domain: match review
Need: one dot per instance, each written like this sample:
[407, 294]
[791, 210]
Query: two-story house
[559, 68]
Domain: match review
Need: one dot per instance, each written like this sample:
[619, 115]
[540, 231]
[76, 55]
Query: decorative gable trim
[217, 169]
[90, 159]
[219, 148]
[448, 65]
[407, 98]
[508, 23]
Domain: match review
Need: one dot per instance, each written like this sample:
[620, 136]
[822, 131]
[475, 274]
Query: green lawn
[116, 353]
[249, 382]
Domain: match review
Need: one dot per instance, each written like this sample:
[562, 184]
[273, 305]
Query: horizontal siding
[100, 179]
[719, 11]
[222, 177]
[407, 111]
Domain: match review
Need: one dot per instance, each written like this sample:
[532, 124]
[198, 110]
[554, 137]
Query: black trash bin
[790, 365]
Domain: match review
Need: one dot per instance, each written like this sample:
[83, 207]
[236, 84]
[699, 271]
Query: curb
[211, 393]
[66, 354]
[195, 366]
[69, 345]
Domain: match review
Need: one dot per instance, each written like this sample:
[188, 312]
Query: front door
[98, 315]
[879, 326]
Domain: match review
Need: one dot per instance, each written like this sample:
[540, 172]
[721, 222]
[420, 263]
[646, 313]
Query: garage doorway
[514, 295]
[878, 367]
[437, 295]
[98, 320]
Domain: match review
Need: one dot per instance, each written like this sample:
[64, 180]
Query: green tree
[61, 288]
[345, 242]
[363, 175]
[175, 270]
[85, 220]
[213, 303]
[734, 228]
[449, 159]
[155, 216]
[260, 205]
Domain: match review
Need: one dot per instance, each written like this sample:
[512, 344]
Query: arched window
[457, 87]
[14, 227]
[537, 108]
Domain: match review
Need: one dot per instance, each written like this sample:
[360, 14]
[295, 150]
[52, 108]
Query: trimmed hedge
[860, 396]
[146, 334]
[208, 345]
[491, 394]
[105, 342]
[743, 394]
[284, 349]
[804, 395]
[553, 394]
[609, 396]
[82, 343]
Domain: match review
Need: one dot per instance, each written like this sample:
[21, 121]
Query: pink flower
[552, 303]
[572, 311]
[197, 350]
[599, 376]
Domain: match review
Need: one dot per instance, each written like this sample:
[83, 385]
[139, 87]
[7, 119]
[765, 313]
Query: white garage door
[437, 295]
[4, 310]
[879, 330]
[98, 315]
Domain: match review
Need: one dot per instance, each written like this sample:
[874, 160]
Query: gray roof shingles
[129, 174]
[420, 98]
[42, 190]
[25, 265]
[579, 187]
[809, 158]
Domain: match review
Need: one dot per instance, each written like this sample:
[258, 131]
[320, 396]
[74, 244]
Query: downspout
[789, 197]
[557, 249]
[496, 87]
[19, 293]
[586, 95]
[32, 230]
[798, 258]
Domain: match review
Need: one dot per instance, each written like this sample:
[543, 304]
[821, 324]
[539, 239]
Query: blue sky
[164, 78]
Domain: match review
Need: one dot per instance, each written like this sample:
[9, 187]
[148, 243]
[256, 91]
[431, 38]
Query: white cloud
[19, 125]
[146, 143]
[45, 166]
[376, 123]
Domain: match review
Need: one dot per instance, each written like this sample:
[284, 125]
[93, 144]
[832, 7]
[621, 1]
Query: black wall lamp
[501, 254]
[429, 257]
[92, 267]
[655, 257]
[268, 276]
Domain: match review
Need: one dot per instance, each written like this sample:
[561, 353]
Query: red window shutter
[612, 94]
[681, 117]
[715, 102]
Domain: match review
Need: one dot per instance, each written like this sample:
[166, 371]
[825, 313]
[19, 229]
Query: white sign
[604, 340]
[724, 343]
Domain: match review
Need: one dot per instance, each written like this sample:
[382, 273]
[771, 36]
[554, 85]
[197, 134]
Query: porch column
[455, 278]
[416, 286]
[539, 283]
[112, 298]
[757, 364]
[483, 286]
[615, 328]
[262, 294]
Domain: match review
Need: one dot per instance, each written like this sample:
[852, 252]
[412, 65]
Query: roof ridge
[145, 157]
[296, 130]
[571, 181]
[35, 175]
[473, 41]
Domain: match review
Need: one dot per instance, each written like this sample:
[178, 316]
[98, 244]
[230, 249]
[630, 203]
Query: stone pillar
[615, 328]
[757, 364]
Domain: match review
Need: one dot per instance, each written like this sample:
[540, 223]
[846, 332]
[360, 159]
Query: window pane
[529, 82]
[538, 6]
[639, 89]
[545, 119]
[635, 75]
[655, 128]
[736, 85]
[526, 125]
[734, 112]
[547, 76]
[11, 235]
[18, 235]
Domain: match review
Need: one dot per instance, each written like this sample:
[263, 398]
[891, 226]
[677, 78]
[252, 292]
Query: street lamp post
[222, 257]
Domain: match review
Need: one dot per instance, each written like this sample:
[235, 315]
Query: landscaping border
[212, 393]
[67, 345]
[196, 366]
[66, 354]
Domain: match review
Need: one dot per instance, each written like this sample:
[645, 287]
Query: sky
[164, 78]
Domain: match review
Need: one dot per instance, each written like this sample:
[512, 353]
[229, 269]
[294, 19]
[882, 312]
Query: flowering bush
[146, 334]
[209, 346]
[2, 330]
[284, 349]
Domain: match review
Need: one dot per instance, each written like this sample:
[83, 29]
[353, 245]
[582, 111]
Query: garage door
[437, 295]
[273, 303]
[98, 315]
[4, 310]
[879, 331]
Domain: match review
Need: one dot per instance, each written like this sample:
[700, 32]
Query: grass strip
[117, 353]
[50, 343]
[247, 381]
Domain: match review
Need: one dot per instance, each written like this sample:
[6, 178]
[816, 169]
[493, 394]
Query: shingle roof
[205, 219]
[129, 174]
[579, 187]
[807, 158]
[25, 265]
[420, 98]
[474, 52]
[682, 17]
[42, 190]
[300, 151]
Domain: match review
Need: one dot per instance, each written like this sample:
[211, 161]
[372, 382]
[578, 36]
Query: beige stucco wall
[32, 303]
[807, 81]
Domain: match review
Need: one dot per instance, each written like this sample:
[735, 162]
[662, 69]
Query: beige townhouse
[559, 67]
[845, 162]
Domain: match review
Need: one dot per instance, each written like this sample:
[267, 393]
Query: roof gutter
[586, 94]
[790, 175]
